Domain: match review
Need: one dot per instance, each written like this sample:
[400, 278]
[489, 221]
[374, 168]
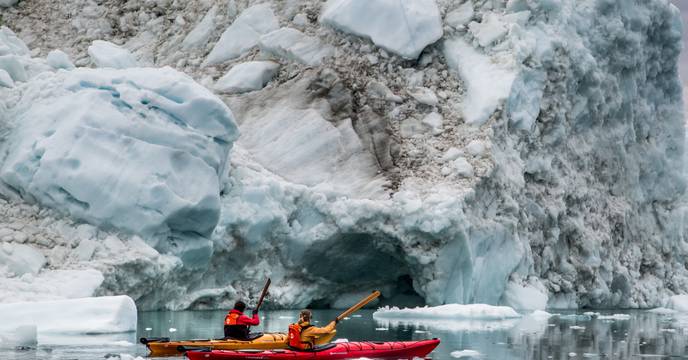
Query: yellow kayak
[165, 347]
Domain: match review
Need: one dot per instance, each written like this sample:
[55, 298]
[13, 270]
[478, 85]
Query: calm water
[568, 336]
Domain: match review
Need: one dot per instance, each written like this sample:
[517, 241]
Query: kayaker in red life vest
[302, 335]
[237, 324]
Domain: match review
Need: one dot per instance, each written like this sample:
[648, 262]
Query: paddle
[358, 305]
[262, 296]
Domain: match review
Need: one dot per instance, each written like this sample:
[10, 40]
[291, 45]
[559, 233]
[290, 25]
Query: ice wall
[536, 148]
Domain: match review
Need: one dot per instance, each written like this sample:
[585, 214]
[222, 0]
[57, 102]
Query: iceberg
[406, 28]
[86, 316]
[198, 37]
[449, 311]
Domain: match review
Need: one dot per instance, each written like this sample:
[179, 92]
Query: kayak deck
[164, 347]
[346, 350]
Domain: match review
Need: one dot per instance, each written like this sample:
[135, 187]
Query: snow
[248, 76]
[59, 60]
[96, 315]
[243, 34]
[449, 311]
[198, 37]
[462, 167]
[108, 55]
[488, 83]
[139, 149]
[291, 44]
[406, 29]
[475, 148]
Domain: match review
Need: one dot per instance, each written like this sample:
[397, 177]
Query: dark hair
[306, 315]
[240, 305]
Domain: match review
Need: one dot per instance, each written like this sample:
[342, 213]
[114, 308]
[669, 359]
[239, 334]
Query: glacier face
[536, 149]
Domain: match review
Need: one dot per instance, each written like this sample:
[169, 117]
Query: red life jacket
[295, 337]
[232, 317]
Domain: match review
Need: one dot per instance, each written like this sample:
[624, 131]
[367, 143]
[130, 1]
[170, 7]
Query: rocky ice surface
[514, 153]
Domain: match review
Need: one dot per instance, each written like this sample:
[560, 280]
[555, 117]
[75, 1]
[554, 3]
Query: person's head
[240, 306]
[305, 316]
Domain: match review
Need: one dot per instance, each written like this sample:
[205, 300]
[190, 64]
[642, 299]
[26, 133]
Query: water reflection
[564, 336]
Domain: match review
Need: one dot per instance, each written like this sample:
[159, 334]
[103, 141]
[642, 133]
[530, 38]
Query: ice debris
[243, 34]
[108, 55]
[406, 29]
[248, 76]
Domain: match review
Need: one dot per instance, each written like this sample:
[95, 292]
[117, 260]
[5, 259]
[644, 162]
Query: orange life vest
[231, 318]
[295, 337]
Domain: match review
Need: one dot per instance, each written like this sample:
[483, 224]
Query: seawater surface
[568, 335]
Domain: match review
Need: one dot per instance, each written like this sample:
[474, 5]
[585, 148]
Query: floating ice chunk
[406, 29]
[491, 29]
[576, 327]
[524, 297]
[460, 16]
[6, 79]
[663, 311]
[59, 60]
[129, 357]
[423, 95]
[22, 336]
[139, 149]
[488, 84]
[449, 311]
[463, 168]
[10, 44]
[21, 259]
[434, 121]
[300, 19]
[96, 315]
[200, 34]
[463, 354]
[292, 44]
[248, 76]
[243, 34]
[614, 317]
[108, 55]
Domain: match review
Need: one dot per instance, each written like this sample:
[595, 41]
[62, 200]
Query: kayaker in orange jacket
[303, 335]
[237, 324]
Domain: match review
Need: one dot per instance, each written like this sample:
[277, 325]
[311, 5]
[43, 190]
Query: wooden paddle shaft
[262, 294]
[359, 305]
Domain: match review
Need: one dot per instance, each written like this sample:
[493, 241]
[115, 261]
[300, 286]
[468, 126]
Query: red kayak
[346, 350]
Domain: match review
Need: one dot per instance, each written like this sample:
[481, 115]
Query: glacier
[493, 151]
